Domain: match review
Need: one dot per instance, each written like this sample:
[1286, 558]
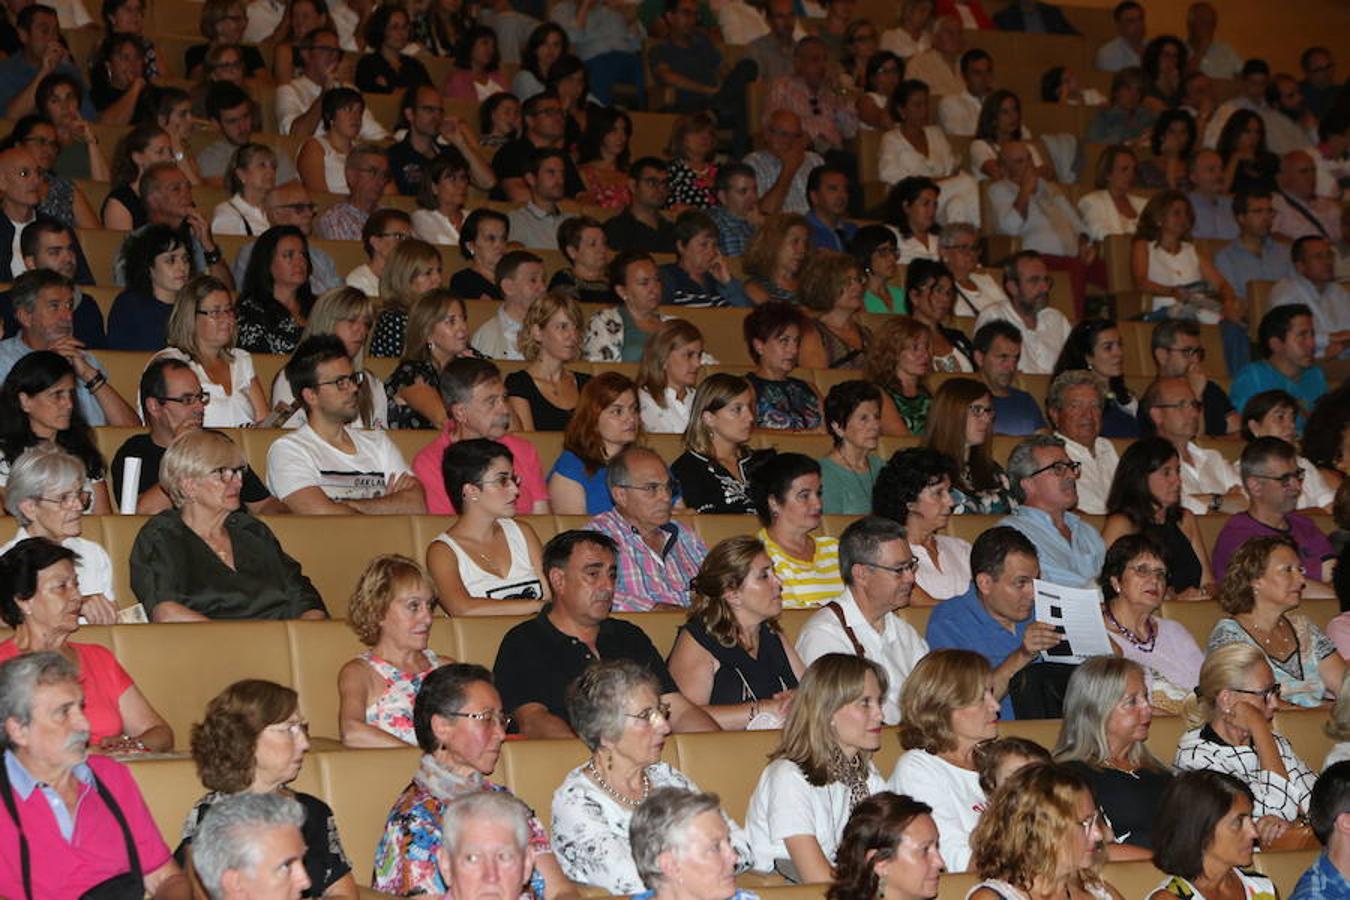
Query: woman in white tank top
[322, 162]
[1167, 264]
[486, 564]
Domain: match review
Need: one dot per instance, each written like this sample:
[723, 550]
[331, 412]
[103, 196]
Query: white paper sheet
[1077, 614]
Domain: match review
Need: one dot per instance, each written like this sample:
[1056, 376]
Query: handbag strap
[13, 811]
[132, 856]
[838, 611]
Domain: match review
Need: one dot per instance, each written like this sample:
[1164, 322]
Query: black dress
[741, 677]
[374, 74]
[1129, 800]
[707, 487]
[469, 284]
[408, 373]
[1183, 566]
[547, 417]
[131, 200]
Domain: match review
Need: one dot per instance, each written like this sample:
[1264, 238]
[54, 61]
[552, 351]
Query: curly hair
[540, 313]
[1248, 563]
[883, 355]
[224, 743]
[872, 834]
[724, 569]
[595, 700]
[905, 476]
[823, 278]
[941, 683]
[384, 578]
[761, 256]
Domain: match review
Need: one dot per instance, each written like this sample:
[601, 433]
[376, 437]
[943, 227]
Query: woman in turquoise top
[899, 360]
[604, 422]
[847, 473]
[875, 247]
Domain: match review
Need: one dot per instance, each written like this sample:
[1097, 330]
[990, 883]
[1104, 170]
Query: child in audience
[520, 279]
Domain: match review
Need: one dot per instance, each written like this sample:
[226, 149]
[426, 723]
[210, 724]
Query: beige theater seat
[335, 550]
[361, 786]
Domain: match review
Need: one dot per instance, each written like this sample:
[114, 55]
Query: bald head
[948, 36]
[1207, 172]
[782, 132]
[290, 204]
[1016, 157]
[1298, 174]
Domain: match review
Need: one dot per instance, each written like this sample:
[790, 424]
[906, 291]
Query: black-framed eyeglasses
[298, 207]
[1188, 352]
[201, 397]
[215, 315]
[1266, 694]
[396, 235]
[907, 567]
[1286, 479]
[653, 488]
[74, 499]
[495, 716]
[1060, 467]
[342, 382]
[652, 713]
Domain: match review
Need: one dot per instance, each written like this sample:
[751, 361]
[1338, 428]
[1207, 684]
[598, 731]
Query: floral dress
[790, 404]
[408, 373]
[265, 326]
[689, 188]
[1255, 886]
[1297, 675]
[392, 711]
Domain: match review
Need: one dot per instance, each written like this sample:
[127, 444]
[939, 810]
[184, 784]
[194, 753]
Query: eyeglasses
[1193, 405]
[292, 729]
[226, 474]
[73, 499]
[342, 382]
[653, 713]
[653, 488]
[1285, 480]
[1266, 694]
[1060, 467]
[188, 399]
[495, 716]
[961, 248]
[38, 140]
[298, 207]
[396, 235]
[215, 315]
[979, 410]
[905, 568]
[1189, 352]
[1143, 570]
[502, 480]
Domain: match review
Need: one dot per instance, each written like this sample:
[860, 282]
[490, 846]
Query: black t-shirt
[512, 158]
[407, 164]
[626, 234]
[469, 284]
[1217, 407]
[150, 454]
[547, 417]
[536, 662]
[374, 74]
[1130, 801]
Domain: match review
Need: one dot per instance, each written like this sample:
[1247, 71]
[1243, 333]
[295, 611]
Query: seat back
[1304, 729]
[361, 787]
[334, 551]
[476, 638]
[727, 763]
[533, 770]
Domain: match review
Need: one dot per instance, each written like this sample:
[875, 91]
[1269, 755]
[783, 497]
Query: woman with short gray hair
[671, 833]
[616, 709]
[959, 246]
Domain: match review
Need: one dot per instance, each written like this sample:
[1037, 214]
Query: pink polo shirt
[427, 466]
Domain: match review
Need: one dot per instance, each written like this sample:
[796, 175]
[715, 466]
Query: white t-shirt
[434, 227]
[237, 216]
[302, 459]
[1041, 346]
[1207, 473]
[954, 556]
[496, 338]
[364, 280]
[959, 114]
[94, 568]
[232, 410]
[295, 98]
[1099, 467]
[955, 795]
[784, 805]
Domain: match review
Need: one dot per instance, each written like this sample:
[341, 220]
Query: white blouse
[954, 794]
[226, 410]
[915, 247]
[954, 557]
[987, 292]
[237, 216]
[1104, 219]
[671, 420]
[334, 167]
[94, 568]
[435, 227]
[520, 581]
[901, 159]
[786, 805]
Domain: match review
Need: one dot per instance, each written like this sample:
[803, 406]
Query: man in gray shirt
[235, 113]
[536, 223]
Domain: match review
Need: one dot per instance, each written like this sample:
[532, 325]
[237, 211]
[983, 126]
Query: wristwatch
[212, 256]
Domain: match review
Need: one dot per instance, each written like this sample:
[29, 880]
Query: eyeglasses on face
[494, 716]
[653, 488]
[900, 569]
[501, 480]
[226, 474]
[1193, 405]
[1285, 480]
[979, 410]
[652, 714]
[1060, 467]
[1144, 570]
[72, 499]
[1266, 694]
[342, 382]
[215, 315]
[201, 397]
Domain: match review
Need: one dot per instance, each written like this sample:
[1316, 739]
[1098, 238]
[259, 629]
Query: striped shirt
[647, 579]
[806, 582]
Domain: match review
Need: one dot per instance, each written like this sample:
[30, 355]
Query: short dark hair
[995, 328]
[972, 56]
[152, 380]
[905, 476]
[1165, 333]
[442, 692]
[140, 249]
[43, 224]
[1330, 798]
[818, 174]
[558, 551]
[772, 479]
[337, 99]
[27, 286]
[539, 156]
[868, 240]
[991, 549]
[1297, 253]
[377, 222]
[732, 170]
[469, 233]
[1165, 121]
[1255, 67]
[223, 95]
[570, 231]
[449, 161]
[1123, 7]
[50, 83]
[24, 20]
[1012, 268]
[302, 370]
[1261, 405]
[643, 163]
[460, 376]
[1276, 324]
[1120, 554]
[862, 540]
[1191, 808]
[1242, 199]
[511, 261]
[19, 569]
[691, 223]
[768, 320]
[1260, 451]
[843, 400]
[622, 262]
[464, 463]
[531, 106]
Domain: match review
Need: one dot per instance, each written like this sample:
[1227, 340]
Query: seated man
[1074, 404]
[290, 204]
[535, 224]
[1287, 342]
[326, 467]
[44, 304]
[657, 556]
[1273, 479]
[736, 214]
[783, 165]
[21, 190]
[41, 52]
[878, 570]
[998, 349]
[299, 102]
[827, 192]
[688, 61]
[475, 406]
[1045, 483]
[1044, 330]
[1254, 255]
[1328, 807]
[1212, 205]
[544, 122]
[249, 845]
[1179, 353]
[520, 278]
[51, 244]
[167, 193]
[235, 114]
[173, 403]
[828, 119]
[367, 174]
[959, 114]
[539, 658]
[994, 617]
[1170, 409]
[431, 134]
[1123, 50]
[1299, 212]
[939, 66]
[491, 825]
[73, 840]
[641, 228]
[1313, 284]
[1208, 54]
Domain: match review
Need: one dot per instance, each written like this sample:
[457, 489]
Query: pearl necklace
[592, 770]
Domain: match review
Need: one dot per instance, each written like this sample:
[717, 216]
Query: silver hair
[39, 469]
[1022, 461]
[1072, 378]
[954, 231]
[595, 701]
[231, 834]
[661, 824]
[496, 806]
[19, 680]
[1095, 689]
[861, 542]
[616, 470]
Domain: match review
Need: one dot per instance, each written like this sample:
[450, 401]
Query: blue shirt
[14, 349]
[823, 235]
[1238, 265]
[1213, 218]
[964, 624]
[138, 322]
[598, 499]
[733, 232]
[1259, 376]
[24, 784]
[16, 73]
[1017, 414]
[1073, 563]
[1322, 881]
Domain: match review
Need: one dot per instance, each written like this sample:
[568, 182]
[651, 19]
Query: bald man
[21, 190]
[1299, 212]
[1213, 207]
[939, 66]
[1211, 56]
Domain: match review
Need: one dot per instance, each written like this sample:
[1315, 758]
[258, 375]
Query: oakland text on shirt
[353, 485]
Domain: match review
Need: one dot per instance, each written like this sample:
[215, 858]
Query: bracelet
[93, 384]
[1216, 504]
[212, 256]
[754, 709]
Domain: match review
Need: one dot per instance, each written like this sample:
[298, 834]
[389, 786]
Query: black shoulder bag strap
[133, 857]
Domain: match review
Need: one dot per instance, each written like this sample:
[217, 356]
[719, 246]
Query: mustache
[78, 741]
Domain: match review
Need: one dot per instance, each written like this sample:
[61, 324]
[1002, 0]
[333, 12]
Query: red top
[427, 466]
[103, 680]
[948, 8]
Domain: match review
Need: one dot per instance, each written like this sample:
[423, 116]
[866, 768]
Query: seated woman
[912, 214]
[820, 771]
[1274, 413]
[915, 489]
[889, 849]
[1095, 345]
[1196, 810]
[157, 264]
[143, 146]
[618, 333]
[1000, 121]
[322, 161]
[1133, 583]
[1103, 738]
[46, 495]
[34, 409]
[1168, 169]
[1168, 266]
[692, 151]
[668, 375]
[412, 268]
[207, 559]
[1040, 832]
[586, 279]
[773, 336]
[669, 830]
[881, 74]
[617, 711]
[482, 241]
[39, 599]
[974, 291]
[440, 214]
[930, 289]
[386, 68]
[486, 563]
[1261, 588]
[603, 157]
[875, 247]
[437, 332]
[64, 200]
[275, 299]
[899, 360]
[390, 612]
[348, 314]
[1113, 208]
[118, 76]
[202, 333]
[460, 728]
[731, 658]
[384, 232]
[605, 421]
[1061, 86]
[250, 174]
[1247, 164]
[699, 275]
[477, 75]
[546, 395]
[947, 707]
[773, 260]
[849, 471]
[222, 23]
[831, 285]
[1145, 498]
[253, 740]
[786, 492]
[963, 428]
[916, 147]
[714, 469]
[999, 759]
[1231, 718]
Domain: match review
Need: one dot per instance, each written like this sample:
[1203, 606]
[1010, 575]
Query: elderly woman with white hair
[959, 247]
[46, 495]
[245, 844]
[683, 848]
[205, 558]
[616, 709]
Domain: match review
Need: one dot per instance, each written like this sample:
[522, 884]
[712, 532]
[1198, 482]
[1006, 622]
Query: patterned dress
[392, 711]
[790, 404]
[1255, 886]
[386, 340]
[408, 373]
[688, 188]
[1297, 675]
[995, 501]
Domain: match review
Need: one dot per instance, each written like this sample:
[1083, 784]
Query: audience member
[772, 334]
[959, 113]
[889, 844]
[1319, 84]
[688, 61]
[773, 50]
[411, 269]
[911, 35]
[250, 175]
[958, 246]
[999, 759]
[773, 261]
[1255, 255]
[827, 189]
[48, 243]
[1074, 404]
[1096, 346]
[299, 102]
[366, 171]
[289, 204]
[275, 299]
[1113, 208]
[253, 845]
[962, 432]
[1169, 409]
[605, 421]
[898, 361]
[915, 490]
[1208, 54]
[1299, 211]
[692, 169]
[1196, 808]
[157, 264]
[585, 278]
[715, 468]
[1326, 877]
[544, 395]
[939, 65]
[234, 113]
[442, 194]
[785, 490]
[535, 224]
[850, 469]
[737, 214]
[1070, 550]
[699, 276]
[1273, 414]
[1044, 330]
[784, 163]
[1173, 141]
[876, 248]
[931, 292]
[1287, 341]
[1211, 205]
[544, 129]
[1178, 353]
[668, 371]
[641, 228]
[827, 120]
[519, 276]
[1125, 48]
[997, 348]
[167, 193]
[39, 50]
[667, 831]
[483, 242]
[1312, 284]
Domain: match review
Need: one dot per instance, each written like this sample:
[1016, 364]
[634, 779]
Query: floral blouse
[1255, 886]
[790, 404]
[392, 711]
[408, 373]
[688, 188]
[265, 326]
[1297, 675]
[913, 410]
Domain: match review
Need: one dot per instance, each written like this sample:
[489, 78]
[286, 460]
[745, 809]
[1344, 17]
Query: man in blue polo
[1045, 484]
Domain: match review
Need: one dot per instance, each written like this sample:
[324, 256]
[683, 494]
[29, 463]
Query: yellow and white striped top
[806, 582]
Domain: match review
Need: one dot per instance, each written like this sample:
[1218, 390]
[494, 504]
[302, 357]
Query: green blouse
[897, 306]
[847, 493]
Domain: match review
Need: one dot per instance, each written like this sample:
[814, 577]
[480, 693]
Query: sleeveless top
[1172, 269]
[131, 200]
[520, 581]
[741, 677]
[1254, 885]
[334, 167]
[1183, 566]
[840, 354]
[1009, 892]
[392, 711]
[913, 410]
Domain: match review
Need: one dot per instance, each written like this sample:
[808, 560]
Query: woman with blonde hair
[773, 260]
[668, 376]
[821, 769]
[347, 313]
[545, 394]
[731, 657]
[692, 172]
[947, 708]
[832, 285]
[202, 332]
[604, 422]
[1168, 265]
[714, 469]
[961, 427]
[413, 268]
[250, 174]
[438, 332]
[1037, 839]
[898, 361]
[390, 612]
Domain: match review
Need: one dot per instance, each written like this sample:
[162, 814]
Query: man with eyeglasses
[878, 570]
[1044, 482]
[1179, 353]
[290, 204]
[51, 244]
[1273, 479]
[657, 556]
[430, 134]
[1288, 344]
[545, 128]
[1074, 404]
[784, 164]
[1169, 409]
[1313, 284]
[326, 467]
[1319, 85]
[641, 228]
[1027, 282]
[43, 52]
[539, 658]
[235, 114]
[367, 173]
[300, 102]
